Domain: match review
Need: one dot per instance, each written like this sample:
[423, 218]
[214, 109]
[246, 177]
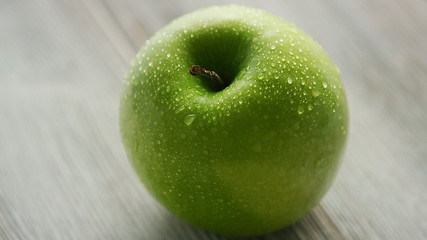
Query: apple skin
[251, 158]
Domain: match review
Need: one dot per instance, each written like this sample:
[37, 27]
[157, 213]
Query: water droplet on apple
[315, 93]
[188, 120]
[300, 110]
[180, 109]
[310, 107]
[273, 47]
[343, 130]
[276, 76]
[290, 80]
[325, 85]
[261, 76]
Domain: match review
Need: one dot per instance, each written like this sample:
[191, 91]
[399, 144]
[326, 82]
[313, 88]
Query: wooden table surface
[63, 170]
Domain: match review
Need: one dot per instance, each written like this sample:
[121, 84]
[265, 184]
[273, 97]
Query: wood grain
[63, 170]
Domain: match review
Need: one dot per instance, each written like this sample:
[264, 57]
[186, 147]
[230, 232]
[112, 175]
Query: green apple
[248, 142]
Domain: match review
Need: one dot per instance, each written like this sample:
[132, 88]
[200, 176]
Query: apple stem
[197, 70]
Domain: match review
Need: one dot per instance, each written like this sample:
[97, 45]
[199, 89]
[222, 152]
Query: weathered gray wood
[63, 170]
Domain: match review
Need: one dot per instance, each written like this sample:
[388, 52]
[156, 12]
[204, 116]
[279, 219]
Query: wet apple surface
[246, 156]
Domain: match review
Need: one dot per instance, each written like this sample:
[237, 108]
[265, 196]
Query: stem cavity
[196, 70]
